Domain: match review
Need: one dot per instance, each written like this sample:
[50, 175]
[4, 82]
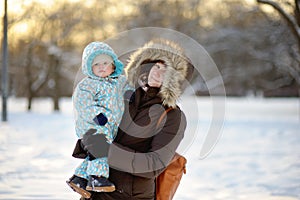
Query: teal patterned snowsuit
[95, 95]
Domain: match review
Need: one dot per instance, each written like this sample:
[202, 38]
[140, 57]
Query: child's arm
[86, 105]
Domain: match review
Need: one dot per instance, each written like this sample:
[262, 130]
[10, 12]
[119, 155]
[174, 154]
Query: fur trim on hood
[176, 62]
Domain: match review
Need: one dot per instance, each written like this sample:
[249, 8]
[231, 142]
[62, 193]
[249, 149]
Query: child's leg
[78, 181]
[98, 167]
[81, 170]
[98, 171]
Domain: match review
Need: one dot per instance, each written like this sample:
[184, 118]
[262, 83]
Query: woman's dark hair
[146, 65]
[152, 61]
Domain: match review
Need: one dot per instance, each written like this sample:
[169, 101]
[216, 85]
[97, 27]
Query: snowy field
[256, 157]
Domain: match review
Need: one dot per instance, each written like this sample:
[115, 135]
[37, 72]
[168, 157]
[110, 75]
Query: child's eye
[157, 66]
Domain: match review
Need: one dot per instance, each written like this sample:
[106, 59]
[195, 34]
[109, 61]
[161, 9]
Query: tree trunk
[29, 102]
[56, 103]
[56, 75]
[29, 82]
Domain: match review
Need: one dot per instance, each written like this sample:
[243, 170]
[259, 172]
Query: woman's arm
[161, 152]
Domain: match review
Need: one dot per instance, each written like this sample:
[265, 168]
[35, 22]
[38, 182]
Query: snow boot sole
[79, 190]
[101, 189]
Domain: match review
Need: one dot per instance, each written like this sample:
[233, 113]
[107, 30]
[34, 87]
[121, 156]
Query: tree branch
[291, 22]
[297, 12]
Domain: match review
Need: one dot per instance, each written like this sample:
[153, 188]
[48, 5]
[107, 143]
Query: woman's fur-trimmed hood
[176, 62]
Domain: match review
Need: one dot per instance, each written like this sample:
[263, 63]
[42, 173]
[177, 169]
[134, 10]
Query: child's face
[103, 69]
[103, 66]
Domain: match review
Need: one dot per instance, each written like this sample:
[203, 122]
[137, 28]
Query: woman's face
[156, 75]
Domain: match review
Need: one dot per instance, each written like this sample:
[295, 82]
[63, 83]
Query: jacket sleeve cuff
[100, 119]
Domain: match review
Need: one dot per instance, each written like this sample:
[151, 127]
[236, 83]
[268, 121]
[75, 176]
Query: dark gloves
[100, 119]
[95, 145]
[79, 151]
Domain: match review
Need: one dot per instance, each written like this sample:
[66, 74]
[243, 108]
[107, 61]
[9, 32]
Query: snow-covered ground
[256, 157]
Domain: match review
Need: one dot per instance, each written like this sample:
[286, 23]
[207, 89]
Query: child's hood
[91, 51]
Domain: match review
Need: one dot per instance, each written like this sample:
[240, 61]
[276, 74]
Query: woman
[143, 148]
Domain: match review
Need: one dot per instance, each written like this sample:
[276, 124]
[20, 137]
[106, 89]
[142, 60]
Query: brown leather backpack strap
[167, 182]
[163, 115]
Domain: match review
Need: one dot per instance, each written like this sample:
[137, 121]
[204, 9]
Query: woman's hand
[95, 144]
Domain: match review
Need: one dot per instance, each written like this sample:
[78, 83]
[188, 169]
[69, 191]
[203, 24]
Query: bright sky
[16, 5]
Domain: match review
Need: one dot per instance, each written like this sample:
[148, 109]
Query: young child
[98, 103]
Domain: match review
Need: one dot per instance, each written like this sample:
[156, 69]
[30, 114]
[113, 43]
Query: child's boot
[100, 184]
[79, 184]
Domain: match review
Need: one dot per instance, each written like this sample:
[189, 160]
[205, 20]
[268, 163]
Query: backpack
[168, 181]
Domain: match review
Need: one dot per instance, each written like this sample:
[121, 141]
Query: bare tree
[41, 54]
[293, 22]
[252, 49]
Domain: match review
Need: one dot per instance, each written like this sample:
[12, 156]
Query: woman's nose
[157, 73]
